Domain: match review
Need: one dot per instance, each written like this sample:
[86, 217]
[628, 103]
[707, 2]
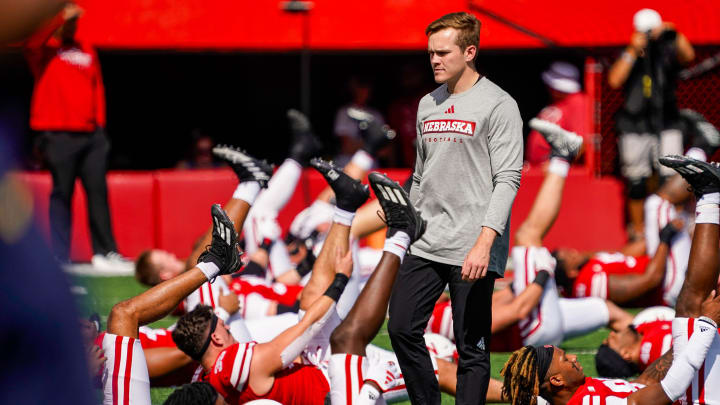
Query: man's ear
[470, 53]
[557, 381]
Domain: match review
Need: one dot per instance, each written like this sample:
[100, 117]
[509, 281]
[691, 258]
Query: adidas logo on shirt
[450, 110]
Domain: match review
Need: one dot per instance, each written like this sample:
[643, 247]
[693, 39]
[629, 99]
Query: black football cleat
[305, 144]
[223, 250]
[400, 215]
[374, 134]
[350, 194]
[246, 167]
[704, 134]
[703, 177]
[564, 144]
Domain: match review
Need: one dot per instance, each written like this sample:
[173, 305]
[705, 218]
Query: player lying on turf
[125, 379]
[695, 368]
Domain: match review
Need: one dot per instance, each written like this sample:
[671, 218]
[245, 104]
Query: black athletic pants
[70, 155]
[418, 285]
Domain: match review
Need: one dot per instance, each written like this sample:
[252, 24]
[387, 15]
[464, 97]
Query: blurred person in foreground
[469, 130]
[568, 109]
[68, 113]
[649, 121]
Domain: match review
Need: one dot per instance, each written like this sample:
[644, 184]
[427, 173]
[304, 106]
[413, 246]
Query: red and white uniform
[658, 213]
[592, 280]
[705, 386]
[603, 391]
[441, 320]
[295, 385]
[257, 296]
[544, 324]
[125, 378]
[656, 340]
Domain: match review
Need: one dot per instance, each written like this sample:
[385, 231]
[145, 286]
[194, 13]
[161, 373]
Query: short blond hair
[466, 23]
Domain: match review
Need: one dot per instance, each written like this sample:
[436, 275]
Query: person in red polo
[68, 113]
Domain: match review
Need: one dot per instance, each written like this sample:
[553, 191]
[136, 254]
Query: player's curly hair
[197, 393]
[522, 383]
[191, 330]
[145, 271]
[466, 23]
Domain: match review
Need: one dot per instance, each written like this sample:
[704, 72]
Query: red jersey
[569, 113]
[656, 340]
[603, 391]
[441, 320]
[282, 293]
[592, 280]
[295, 385]
[69, 94]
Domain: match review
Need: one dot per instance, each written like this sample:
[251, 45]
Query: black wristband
[667, 233]
[337, 286]
[541, 278]
[267, 244]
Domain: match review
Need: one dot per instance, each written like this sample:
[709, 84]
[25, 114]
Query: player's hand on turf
[343, 262]
[230, 303]
[477, 261]
[96, 360]
[711, 306]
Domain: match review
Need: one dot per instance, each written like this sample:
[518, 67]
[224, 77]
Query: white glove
[310, 218]
[386, 374]
[545, 261]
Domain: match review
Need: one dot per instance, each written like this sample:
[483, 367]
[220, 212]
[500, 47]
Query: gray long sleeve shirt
[467, 173]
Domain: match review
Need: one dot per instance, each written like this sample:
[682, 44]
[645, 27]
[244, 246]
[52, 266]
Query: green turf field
[103, 292]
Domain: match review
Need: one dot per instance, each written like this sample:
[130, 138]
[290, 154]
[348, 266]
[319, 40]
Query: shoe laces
[394, 216]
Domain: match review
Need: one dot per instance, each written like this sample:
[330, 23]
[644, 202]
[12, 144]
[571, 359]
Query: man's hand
[96, 360]
[476, 263]
[230, 303]
[711, 307]
[638, 42]
[72, 10]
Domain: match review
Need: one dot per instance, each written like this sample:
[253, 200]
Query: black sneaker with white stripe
[223, 250]
[246, 167]
[703, 177]
[564, 144]
[400, 215]
[350, 194]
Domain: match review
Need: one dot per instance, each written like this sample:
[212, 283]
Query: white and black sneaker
[564, 144]
[703, 177]
[224, 250]
[400, 215]
[246, 167]
[375, 134]
[112, 263]
[350, 194]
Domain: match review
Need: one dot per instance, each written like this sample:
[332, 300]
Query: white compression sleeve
[293, 350]
[685, 365]
[280, 187]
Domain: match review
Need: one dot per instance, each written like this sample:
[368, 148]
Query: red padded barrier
[169, 209]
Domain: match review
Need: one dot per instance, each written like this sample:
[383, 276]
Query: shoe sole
[693, 166]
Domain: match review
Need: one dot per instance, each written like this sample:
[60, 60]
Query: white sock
[707, 210]
[369, 395]
[281, 186]
[559, 166]
[343, 217]
[397, 244]
[696, 153]
[362, 160]
[209, 269]
[247, 191]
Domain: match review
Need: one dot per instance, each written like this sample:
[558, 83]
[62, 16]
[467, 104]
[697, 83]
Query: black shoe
[350, 194]
[564, 144]
[400, 215]
[305, 144]
[246, 167]
[703, 177]
[704, 134]
[375, 134]
[223, 250]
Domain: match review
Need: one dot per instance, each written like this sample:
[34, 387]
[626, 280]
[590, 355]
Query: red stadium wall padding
[130, 196]
[169, 209]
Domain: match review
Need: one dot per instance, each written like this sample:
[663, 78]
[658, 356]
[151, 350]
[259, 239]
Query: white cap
[646, 20]
[562, 77]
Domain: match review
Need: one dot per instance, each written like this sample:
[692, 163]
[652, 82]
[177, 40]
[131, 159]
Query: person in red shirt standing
[68, 113]
[568, 109]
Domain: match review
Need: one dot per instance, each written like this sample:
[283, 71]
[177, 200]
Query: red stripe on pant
[116, 368]
[359, 370]
[128, 372]
[690, 328]
[348, 380]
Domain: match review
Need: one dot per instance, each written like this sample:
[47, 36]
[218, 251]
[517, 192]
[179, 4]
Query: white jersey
[125, 378]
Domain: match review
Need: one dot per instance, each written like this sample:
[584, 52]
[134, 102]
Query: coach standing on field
[469, 158]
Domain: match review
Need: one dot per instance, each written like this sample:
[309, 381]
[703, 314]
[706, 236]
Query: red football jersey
[603, 391]
[282, 293]
[592, 280]
[656, 340]
[296, 385]
[441, 320]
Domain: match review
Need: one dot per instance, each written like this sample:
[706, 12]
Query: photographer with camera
[648, 121]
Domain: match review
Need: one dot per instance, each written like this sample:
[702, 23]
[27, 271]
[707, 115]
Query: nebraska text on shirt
[456, 126]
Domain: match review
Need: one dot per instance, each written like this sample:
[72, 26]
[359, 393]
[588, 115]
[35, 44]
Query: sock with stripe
[707, 210]
[397, 244]
[209, 269]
